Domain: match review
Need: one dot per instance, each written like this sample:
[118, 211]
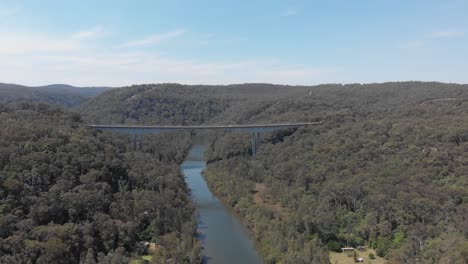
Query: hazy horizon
[228, 84]
[120, 43]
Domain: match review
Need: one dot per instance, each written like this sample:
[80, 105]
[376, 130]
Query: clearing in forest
[262, 197]
[342, 258]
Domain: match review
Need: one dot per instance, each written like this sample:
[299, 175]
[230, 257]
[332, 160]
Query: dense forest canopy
[387, 169]
[196, 104]
[70, 195]
[177, 104]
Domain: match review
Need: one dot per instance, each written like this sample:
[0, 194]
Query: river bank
[224, 238]
[278, 234]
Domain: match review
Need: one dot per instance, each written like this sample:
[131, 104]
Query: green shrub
[371, 256]
[383, 245]
[333, 245]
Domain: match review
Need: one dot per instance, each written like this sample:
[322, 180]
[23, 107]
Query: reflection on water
[224, 239]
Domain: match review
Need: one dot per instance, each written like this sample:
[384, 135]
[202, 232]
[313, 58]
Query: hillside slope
[387, 169]
[59, 94]
[72, 195]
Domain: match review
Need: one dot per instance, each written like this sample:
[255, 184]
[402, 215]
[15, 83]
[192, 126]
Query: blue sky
[219, 42]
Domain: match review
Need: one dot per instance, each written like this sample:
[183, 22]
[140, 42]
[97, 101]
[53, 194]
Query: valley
[386, 169]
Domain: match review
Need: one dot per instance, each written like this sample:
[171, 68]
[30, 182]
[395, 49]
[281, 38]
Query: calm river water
[224, 238]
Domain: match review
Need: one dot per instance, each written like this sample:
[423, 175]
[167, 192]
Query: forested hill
[388, 168]
[59, 94]
[333, 101]
[176, 103]
[71, 195]
[197, 104]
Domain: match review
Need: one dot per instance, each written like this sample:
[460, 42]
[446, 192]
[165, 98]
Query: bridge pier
[140, 142]
[136, 131]
[137, 141]
[255, 142]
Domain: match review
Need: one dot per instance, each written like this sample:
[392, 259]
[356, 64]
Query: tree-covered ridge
[59, 94]
[387, 168]
[69, 195]
[264, 103]
[332, 101]
[388, 172]
[178, 104]
[153, 104]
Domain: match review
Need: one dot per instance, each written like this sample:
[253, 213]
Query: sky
[117, 42]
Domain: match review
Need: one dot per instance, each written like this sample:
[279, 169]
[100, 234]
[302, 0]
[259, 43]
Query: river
[225, 240]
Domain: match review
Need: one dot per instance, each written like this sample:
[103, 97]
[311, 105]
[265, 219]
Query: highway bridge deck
[145, 129]
[137, 131]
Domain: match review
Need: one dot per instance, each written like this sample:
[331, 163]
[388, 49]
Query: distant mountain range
[60, 94]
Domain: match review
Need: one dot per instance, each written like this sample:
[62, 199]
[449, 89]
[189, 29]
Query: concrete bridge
[137, 131]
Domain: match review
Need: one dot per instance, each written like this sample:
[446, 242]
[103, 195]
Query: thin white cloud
[88, 33]
[153, 40]
[17, 41]
[425, 41]
[27, 43]
[448, 33]
[120, 68]
[290, 12]
[78, 59]
[89, 68]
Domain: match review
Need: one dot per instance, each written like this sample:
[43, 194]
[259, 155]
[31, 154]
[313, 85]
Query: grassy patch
[142, 259]
[342, 258]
